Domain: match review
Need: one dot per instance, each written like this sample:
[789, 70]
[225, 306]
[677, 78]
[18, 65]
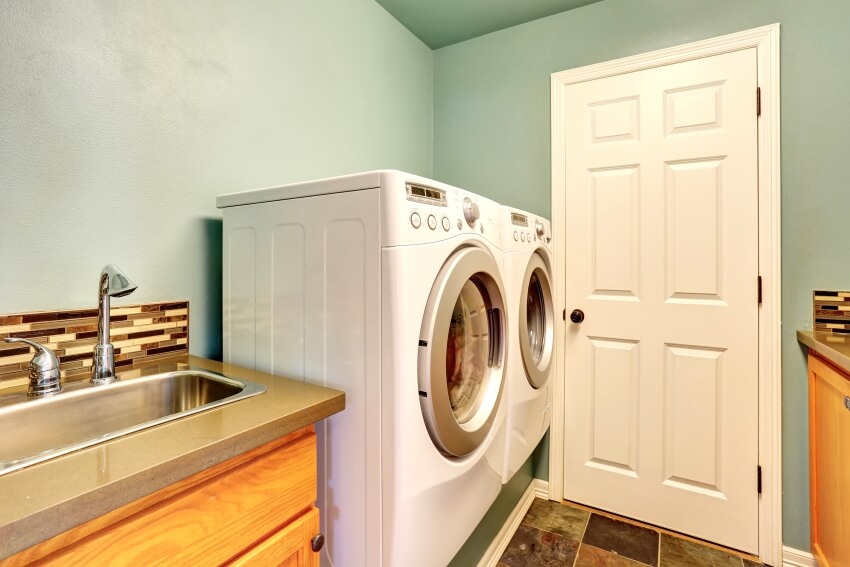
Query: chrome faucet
[43, 370]
[113, 283]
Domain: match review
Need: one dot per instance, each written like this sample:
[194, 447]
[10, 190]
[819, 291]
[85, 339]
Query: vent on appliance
[519, 220]
[425, 194]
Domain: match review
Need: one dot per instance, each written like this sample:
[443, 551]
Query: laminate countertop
[834, 348]
[44, 500]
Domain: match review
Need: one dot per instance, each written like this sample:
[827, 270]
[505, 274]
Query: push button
[522, 237]
[516, 236]
[415, 220]
[446, 224]
[432, 222]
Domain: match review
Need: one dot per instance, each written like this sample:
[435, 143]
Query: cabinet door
[290, 547]
[829, 439]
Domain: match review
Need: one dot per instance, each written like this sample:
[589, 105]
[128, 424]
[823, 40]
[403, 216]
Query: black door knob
[577, 316]
[317, 543]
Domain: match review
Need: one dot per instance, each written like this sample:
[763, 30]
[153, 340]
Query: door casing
[766, 41]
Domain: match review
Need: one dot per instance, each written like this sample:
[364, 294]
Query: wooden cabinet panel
[829, 448]
[207, 519]
[290, 547]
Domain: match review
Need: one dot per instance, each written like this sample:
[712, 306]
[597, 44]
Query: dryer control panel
[524, 230]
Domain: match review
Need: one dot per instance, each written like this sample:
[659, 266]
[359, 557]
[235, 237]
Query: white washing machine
[531, 336]
[387, 286]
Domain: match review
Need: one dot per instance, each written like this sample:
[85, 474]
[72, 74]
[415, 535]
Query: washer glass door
[536, 322]
[468, 350]
[461, 352]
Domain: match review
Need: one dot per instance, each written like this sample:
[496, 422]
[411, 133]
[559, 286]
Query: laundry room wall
[120, 122]
[491, 135]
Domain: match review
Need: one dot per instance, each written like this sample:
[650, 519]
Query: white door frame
[766, 41]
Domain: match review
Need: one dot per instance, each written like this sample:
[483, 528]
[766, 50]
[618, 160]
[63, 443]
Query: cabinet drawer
[211, 521]
[289, 547]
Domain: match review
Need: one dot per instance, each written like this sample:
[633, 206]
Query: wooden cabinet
[290, 547]
[829, 464]
[255, 509]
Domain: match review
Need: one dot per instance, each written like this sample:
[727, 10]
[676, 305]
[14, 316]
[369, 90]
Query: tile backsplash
[832, 312]
[138, 332]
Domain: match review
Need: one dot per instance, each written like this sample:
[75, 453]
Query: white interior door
[661, 255]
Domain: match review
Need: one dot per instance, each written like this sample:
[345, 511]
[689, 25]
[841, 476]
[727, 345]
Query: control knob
[538, 227]
[470, 211]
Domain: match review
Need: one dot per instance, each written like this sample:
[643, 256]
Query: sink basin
[83, 414]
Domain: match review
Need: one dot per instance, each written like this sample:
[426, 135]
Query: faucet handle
[43, 369]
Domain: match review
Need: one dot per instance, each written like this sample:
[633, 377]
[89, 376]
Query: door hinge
[759, 479]
[758, 101]
[565, 314]
[759, 290]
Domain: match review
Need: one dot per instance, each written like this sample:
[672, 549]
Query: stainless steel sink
[82, 415]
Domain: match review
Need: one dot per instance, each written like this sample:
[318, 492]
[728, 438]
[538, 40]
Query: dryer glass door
[461, 352]
[536, 322]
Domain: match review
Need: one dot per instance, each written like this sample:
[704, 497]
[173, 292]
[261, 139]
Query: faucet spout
[113, 283]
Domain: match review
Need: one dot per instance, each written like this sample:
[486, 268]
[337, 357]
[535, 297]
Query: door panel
[694, 228]
[692, 378]
[661, 232]
[616, 238]
[614, 377]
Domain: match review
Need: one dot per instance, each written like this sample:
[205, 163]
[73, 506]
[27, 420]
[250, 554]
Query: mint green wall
[472, 551]
[120, 122]
[491, 135]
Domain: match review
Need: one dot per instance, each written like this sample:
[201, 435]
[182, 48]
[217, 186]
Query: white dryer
[531, 336]
[388, 286]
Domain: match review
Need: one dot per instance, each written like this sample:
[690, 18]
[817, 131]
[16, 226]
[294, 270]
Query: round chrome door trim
[451, 437]
[537, 364]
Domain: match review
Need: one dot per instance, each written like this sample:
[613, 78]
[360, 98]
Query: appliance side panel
[239, 293]
[302, 300]
[350, 359]
[289, 292]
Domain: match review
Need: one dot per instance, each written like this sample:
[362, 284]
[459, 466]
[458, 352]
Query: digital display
[426, 194]
[519, 220]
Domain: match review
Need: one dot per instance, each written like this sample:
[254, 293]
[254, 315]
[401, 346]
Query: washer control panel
[435, 211]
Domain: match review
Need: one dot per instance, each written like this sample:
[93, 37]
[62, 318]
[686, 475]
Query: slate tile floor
[553, 534]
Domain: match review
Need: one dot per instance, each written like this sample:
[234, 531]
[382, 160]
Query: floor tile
[677, 552]
[531, 547]
[624, 539]
[589, 556]
[557, 518]
[748, 563]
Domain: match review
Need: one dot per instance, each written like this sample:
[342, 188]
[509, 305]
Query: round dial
[538, 227]
[470, 211]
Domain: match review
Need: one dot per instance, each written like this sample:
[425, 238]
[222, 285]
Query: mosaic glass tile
[831, 311]
[139, 333]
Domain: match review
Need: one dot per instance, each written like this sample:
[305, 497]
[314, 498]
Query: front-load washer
[388, 286]
[531, 335]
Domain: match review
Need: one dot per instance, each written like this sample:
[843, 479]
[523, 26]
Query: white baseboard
[497, 547]
[541, 488]
[796, 558]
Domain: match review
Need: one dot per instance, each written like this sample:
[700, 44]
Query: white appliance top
[413, 209]
[354, 182]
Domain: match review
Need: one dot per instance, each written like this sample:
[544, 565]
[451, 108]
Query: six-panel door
[661, 254]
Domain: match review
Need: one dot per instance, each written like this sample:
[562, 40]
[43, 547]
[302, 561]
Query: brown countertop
[41, 501]
[834, 348]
